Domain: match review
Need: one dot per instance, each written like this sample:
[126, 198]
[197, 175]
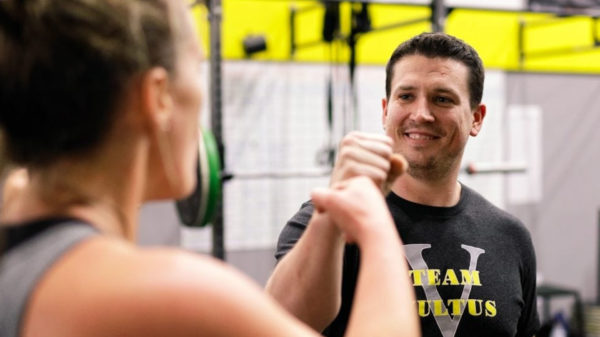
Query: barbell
[199, 208]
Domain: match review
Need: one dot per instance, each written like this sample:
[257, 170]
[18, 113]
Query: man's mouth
[419, 136]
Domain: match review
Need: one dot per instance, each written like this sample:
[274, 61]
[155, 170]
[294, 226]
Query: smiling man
[472, 264]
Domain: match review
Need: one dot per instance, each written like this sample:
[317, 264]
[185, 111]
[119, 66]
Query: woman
[100, 102]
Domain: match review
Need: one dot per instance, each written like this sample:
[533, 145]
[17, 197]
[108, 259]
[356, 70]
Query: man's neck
[440, 193]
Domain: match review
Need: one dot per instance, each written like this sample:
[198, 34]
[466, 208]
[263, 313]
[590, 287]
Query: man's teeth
[418, 136]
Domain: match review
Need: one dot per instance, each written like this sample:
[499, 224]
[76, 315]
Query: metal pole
[360, 24]
[292, 32]
[216, 115]
[438, 15]
[521, 43]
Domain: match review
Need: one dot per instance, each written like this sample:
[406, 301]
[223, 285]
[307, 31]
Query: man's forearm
[307, 281]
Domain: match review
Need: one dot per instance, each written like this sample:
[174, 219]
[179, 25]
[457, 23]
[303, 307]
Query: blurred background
[285, 80]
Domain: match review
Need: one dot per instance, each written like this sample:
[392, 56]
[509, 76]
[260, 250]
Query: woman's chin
[170, 193]
[185, 190]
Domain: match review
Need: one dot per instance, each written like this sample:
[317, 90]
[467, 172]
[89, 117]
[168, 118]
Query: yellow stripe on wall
[550, 44]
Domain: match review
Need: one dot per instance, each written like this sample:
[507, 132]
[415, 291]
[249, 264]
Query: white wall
[565, 221]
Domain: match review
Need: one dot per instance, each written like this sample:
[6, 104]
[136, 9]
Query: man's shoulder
[302, 216]
[293, 229]
[478, 206]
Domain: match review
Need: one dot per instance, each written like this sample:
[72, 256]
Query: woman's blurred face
[186, 92]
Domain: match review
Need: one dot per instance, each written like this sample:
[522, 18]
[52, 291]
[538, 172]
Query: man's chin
[423, 169]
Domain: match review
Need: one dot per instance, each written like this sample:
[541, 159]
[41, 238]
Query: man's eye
[404, 96]
[443, 100]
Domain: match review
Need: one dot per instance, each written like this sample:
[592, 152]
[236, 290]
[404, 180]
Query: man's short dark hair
[441, 45]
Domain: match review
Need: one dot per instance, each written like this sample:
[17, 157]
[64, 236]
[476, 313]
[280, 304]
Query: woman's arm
[107, 287]
[384, 303]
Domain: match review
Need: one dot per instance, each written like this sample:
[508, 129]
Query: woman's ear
[157, 112]
[156, 100]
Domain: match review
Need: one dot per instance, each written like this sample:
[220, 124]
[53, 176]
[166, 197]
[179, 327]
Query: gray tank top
[30, 250]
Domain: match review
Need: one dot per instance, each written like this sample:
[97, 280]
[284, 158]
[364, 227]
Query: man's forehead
[422, 62]
[441, 71]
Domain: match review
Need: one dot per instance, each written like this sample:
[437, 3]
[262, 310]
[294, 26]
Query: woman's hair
[64, 68]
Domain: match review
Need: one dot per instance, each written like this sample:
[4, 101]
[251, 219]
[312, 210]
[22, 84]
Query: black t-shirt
[472, 258]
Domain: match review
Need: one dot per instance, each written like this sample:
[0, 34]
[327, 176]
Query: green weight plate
[214, 170]
[198, 208]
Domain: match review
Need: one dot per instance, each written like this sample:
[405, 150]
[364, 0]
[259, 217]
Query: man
[473, 265]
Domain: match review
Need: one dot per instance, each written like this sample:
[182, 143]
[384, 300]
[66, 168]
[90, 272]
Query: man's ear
[478, 116]
[156, 100]
[384, 112]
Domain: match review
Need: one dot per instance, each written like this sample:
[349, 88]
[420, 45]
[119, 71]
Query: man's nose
[421, 111]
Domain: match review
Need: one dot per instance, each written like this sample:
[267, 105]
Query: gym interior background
[288, 96]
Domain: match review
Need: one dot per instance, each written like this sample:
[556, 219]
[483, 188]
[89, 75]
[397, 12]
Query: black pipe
[292, 31]
[438, 15]
[216, 118]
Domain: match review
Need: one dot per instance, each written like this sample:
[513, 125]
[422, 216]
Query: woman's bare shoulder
[110, 287]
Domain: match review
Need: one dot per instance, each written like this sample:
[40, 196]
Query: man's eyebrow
[437, 90]
[404, 87]
[445, 90]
